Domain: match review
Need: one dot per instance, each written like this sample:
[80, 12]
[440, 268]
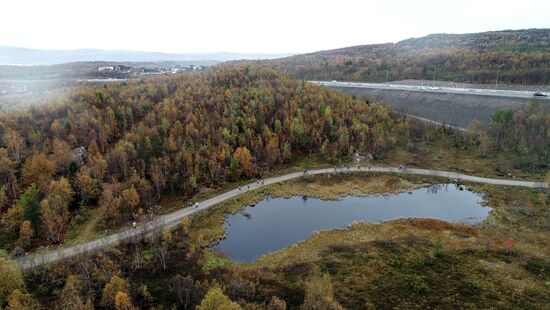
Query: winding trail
[173, 219]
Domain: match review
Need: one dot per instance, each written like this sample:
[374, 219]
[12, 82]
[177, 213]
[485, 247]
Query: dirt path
[173, 219]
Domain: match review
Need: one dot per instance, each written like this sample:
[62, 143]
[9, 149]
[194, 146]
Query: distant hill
[90, 69]
[522, 55]
[23, 56]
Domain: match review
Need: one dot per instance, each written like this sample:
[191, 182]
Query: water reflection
[275, 223]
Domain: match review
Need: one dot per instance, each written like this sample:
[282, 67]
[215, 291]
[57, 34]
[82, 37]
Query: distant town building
[105, 68]
[122, 69]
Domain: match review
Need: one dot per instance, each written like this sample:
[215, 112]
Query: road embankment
[454, 109]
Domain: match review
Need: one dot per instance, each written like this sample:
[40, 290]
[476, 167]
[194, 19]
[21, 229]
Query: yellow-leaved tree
[245, 160]
[216, 300]
[22, 301]
[10, 279]
[71, 297]
[123, 302]
[55, 208]
[111, 290]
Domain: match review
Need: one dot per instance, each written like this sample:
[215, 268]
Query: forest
[517, 57]
[121, 148]
[525, 134]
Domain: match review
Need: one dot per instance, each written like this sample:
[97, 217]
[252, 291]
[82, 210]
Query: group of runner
[347, 168]
[258, 182]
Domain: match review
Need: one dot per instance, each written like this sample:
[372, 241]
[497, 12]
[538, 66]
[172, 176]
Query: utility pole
[387, 75]
[435, 74]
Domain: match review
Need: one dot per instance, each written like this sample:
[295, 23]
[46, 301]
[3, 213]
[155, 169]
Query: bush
[82, 216]
[10, 279]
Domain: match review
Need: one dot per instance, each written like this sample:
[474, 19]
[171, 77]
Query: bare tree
[184, 289]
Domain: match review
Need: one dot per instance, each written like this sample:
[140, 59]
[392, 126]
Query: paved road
[434, 89]
[173, 219]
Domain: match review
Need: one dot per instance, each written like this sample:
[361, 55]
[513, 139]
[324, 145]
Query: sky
[242, 26]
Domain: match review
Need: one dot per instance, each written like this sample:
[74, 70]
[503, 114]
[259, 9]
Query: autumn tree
[123, 302]
[158, 178]
[12, 219]
[55, 208]
[130, 197]
[245, 160]
[216, 300]
[116, 285]
[7, 178]
[15, 144]
[118, 159]
[97, 166]
[10, 279]
[57, 128]
[22, 301]
[38, 169]
[62, 155]
[185, 224]
[167, 236]
[71, 297]
[272, 152]
[25, 234]
[87, 187]
[111, 205]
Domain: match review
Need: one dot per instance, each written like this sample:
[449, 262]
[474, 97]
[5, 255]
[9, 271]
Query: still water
[275, 223]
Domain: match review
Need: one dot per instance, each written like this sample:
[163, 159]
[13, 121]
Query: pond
[275, 223]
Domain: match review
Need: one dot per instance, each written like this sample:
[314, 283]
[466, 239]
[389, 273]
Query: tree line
[514, 57]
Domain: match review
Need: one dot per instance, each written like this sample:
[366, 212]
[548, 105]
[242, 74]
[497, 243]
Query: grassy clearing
[424, 263]
[396, 264]
[86, 230]
[442, 157]
[415, 263]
